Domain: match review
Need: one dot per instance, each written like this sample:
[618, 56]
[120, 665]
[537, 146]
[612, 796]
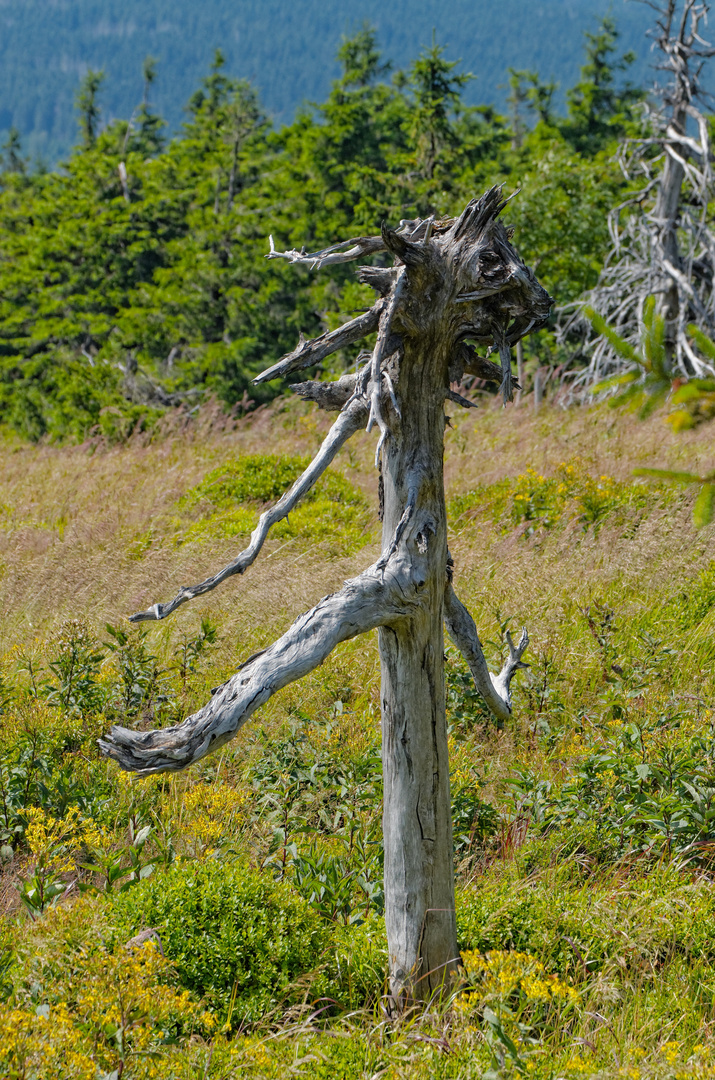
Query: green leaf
[704, 506]
[613, 381]
[704, 343]
[620, 345]
[670, 474]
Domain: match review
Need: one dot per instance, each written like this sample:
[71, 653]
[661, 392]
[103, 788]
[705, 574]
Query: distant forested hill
[285, 47]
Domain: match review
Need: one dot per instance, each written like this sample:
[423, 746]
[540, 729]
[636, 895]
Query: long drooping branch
[383, 593]
[495, 689]
[350, 420]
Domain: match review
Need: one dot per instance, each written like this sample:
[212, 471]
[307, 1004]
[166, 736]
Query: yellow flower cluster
[53, 841]
[252, 1050]
[213, 811]
[578, 1065]
[503, 974]
[41, 1043]
[572, 493]
[121, 1004]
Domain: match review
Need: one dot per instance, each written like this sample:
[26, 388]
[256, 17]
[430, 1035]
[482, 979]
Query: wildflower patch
[533, 502]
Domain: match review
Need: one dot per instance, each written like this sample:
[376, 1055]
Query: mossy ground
[584, 830]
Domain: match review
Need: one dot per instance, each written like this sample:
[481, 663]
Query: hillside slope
[584, 829]
[286, 50]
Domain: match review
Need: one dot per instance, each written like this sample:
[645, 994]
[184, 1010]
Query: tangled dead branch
[662, 241]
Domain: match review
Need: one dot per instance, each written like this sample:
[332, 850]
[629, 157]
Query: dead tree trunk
[667, 213]
[451, 281]
[417, 820]
[663, 241]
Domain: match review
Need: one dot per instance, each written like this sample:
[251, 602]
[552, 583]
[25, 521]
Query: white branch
[347, 251]
[495, 689]
[359, 247]
[378, 355]
[379, 595]
[350, 420]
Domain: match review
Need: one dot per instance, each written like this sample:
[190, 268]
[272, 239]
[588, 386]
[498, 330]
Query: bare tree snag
[663, 243]
[452, 281]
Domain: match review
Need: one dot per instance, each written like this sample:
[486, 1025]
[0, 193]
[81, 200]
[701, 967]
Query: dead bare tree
[663, 244]
[451, 281]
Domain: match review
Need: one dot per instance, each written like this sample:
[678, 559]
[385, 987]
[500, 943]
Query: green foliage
[11, 159]
[140, 675]
[332, 511]
[535, 503]
[598, 108]
[88, 108]
[648, 387]
[648, 791]
[190, 649]
[437, 101]
[651, 383]
[695, 604]
[571, 928]
[133, 281]
[75, 667]
[257, 478]
[236, 936]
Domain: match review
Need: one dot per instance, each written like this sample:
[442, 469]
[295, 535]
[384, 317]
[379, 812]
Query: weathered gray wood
[417, 820]
[330, 396]
[452, 281]
[384, 592]
[309, 353]
[350, 420]
[435, 311]
[663, 242]
[495, 689]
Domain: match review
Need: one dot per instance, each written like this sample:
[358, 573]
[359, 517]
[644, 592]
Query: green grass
[584, 829]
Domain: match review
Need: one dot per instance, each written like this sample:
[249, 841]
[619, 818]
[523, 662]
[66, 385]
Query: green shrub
[647, 787]
[534, 502]
[579, 928]
[253, 478]
[235, 935]
[232, 496]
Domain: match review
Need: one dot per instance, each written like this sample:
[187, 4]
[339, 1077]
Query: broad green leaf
[670, 474]
[704, 506]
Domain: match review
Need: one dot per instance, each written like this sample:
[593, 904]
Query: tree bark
[667, 208]
[417, 822]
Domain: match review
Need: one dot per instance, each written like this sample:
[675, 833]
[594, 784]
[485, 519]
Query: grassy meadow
[584, 829]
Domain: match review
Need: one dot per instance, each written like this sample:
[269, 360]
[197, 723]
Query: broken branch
[308, 353]
[378, 595]
[495, 689]
[349, 421]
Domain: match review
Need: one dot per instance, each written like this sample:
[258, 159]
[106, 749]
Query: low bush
[230, 498]
[236, 936]
[534, 503]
